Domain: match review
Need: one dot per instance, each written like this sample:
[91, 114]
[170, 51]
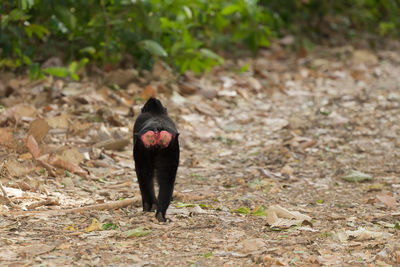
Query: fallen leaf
[137, 232]
[287, 170]
[72, 167]
[38, 129]
[121, 77]
[72, 155]
[283, 218]
[112, 144]
[365, 57]
[95, 226]
[361, 234]
[59, 122]
[187, 88]
[388, 200]
[6, 138]
[252, 244]
[205, 109]
[33, 147]
[149, 91]
[36, 249]
[24, 110]
[70, 228]
[356, 176]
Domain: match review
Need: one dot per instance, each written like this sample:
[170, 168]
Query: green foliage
[314, 19]
[184, 33]
[187, 34]
[109, 226]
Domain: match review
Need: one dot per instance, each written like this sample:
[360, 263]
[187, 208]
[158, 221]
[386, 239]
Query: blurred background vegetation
[187, 34]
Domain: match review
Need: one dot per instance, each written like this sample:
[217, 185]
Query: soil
[316, 137]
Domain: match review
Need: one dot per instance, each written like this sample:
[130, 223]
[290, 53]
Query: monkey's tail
[154, 105]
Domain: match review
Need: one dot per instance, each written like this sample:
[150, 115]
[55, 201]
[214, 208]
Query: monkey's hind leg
[145, 176]
[166, 180]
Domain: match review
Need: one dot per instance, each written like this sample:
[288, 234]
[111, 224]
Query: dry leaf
[24, 110]
[361, 234]
[252, 244]
[33, 147]
[287, 170]
[60, 122]
[388, 200]
[149, 91]
[38, 129]
[283, 218]
[72, 155]
[205, 109]
[72, 167]
[6, 138]
[112, 144]
[95, 226]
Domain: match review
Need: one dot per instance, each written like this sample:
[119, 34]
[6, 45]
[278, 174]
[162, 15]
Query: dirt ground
[286, 160]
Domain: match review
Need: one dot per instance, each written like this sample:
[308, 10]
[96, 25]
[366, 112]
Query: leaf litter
[271, 163]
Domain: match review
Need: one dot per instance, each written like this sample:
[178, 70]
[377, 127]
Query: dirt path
[283, 133]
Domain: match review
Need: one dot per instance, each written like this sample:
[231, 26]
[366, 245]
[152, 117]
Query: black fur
[155, 161]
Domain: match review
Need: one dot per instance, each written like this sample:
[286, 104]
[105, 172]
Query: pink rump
[151, 138]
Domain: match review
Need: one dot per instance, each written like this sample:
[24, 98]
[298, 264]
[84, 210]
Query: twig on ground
[47, 166]
[9, 202]
[47, 202]
[106, 206]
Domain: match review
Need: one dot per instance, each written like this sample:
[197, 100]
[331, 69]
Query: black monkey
[156, 153]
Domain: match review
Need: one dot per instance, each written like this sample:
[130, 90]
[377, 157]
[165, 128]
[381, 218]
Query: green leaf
[242, 210]
[82, 63]
[74, 76]
[36, 29]
[356, 176]
[137, 232]
[109, 226]
[57, 71]
[188, 12]
[210, 54]
[244, 68]
[34, 72]
[208, 255]
[230, 9]
[26, 4]
[88, 50]
[206, 206]
[73, 66]
[259, 211]
[16, 15]
[184, 205]
[154, 48]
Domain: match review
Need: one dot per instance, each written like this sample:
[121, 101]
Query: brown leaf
[33, 147]
[115, 121]
[121, 77]
[24, 110]
[388, 200]
[60, 121]
[205, 109]
[6, 138]
[283, 218]
[38, 129]
[149, 91]
[287, 170]
[72, 167]
[112, 144]
[187, 89]
[72, 155]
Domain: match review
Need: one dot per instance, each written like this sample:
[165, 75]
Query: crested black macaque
[156, 153]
